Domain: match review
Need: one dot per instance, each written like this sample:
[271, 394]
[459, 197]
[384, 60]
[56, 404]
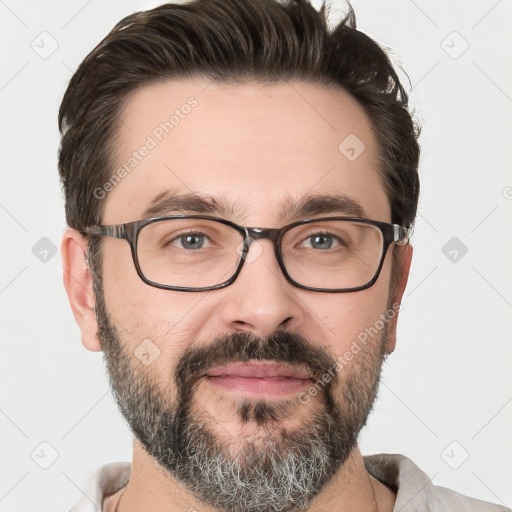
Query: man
[240, 187]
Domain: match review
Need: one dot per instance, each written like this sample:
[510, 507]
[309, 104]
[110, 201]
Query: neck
[351, 488]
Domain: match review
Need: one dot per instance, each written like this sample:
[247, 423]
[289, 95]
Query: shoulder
[415, 490]
[104, 482]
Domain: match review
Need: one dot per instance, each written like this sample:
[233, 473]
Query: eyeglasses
[197, 253]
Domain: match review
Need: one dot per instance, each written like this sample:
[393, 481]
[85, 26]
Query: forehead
[252, 148]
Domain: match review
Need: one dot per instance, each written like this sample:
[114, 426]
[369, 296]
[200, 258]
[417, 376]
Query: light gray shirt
[415, 492]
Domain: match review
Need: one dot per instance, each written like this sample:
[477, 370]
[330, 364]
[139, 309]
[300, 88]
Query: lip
[259, 379]
[259, 370]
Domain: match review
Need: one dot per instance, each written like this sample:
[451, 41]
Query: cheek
[341, 319]
[141, 311]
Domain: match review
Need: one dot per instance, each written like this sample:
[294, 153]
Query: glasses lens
[189, 253]
[334, 254]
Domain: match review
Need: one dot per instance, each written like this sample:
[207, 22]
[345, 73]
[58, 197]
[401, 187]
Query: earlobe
[397, 294]
[78, 285]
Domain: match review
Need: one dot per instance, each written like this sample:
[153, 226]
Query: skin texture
[253, 147]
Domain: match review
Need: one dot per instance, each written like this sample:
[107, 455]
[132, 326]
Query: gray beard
[280, 475]
[279, 471]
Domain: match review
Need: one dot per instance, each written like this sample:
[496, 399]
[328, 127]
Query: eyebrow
[168, 203]
[310, 205]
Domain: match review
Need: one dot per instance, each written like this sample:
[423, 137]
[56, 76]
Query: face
[252, 152]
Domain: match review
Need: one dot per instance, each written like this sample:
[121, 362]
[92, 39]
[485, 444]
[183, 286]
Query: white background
[449, 379]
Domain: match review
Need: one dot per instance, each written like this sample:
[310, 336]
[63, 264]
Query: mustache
[280, 346]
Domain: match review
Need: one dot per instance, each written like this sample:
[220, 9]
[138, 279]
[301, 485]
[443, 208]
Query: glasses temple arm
[402, 234]
[116, 231]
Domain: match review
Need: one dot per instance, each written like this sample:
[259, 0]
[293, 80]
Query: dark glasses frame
[130, 232]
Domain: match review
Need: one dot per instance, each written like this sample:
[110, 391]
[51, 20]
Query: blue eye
[321, 241]
[190, 241]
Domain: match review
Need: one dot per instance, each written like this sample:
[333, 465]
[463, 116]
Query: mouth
[259, 379]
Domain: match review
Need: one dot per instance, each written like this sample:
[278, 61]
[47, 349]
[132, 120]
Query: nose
[261, 300]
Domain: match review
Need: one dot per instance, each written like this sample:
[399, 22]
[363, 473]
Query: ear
[396, 298]
[78, 284]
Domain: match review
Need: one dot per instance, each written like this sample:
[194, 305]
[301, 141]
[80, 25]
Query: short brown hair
[231, 41]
